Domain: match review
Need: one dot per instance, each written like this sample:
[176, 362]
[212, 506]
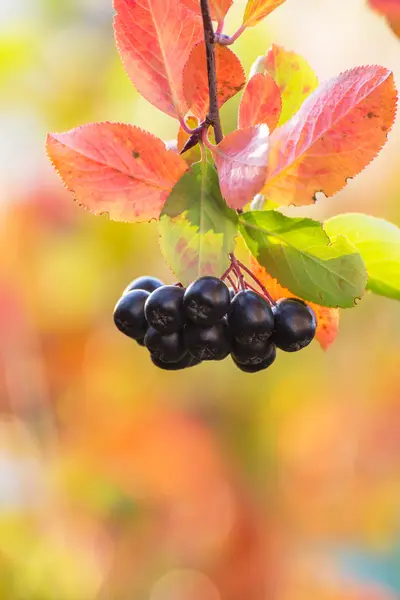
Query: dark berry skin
[149, 284]
[250, 318]
[167, 348]
[295, 325]
[211, 343]
[164, 309]
[252, 354]
[184, 363]
[129, 314]
[206, 301]
[232, 293]
[260, 366]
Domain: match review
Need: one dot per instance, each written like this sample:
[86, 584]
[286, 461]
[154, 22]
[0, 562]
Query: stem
[226, 40]
[209, 37]
[254, 278]
[233, 284]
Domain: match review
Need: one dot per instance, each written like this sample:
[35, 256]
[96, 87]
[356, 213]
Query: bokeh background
[120, 482]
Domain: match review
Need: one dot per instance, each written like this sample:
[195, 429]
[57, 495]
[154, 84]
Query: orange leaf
[218, 8]
[230, 78]
[294, 77]
[327, 318]
[257, 10]
[391, 10]
[339, 129]
[116, 169]
[241, 159]
[154, 39]
[261, 102]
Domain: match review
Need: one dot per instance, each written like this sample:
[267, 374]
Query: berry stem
[254, 278]
[233, 284]
[237, 270]
[227, 273]
[213, 117]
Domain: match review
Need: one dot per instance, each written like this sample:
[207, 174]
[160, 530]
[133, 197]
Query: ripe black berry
[206, 301]
[129, 314]
[232, 293]
[164, 309]
[261, 366]
[250, 318]
[167, 348]
[295, 325]
[149, 284]
[251, 354]
[211, 343]
[184, 363]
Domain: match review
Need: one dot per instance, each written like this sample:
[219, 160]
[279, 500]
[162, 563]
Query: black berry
[295, 325]
[232, 293]
[129, 314]
[261, 366]
[164, 309]
[250, 318]
[167, 348]
[149, 284]
[251, 354]
[211, 343]
[206, 301]
[184, 363]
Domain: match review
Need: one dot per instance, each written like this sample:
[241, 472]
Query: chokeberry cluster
[210, 321]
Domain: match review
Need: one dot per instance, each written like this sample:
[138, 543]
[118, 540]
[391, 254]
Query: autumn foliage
[295, 140]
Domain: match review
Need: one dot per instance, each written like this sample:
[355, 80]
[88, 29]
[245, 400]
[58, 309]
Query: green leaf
[300, 255]
[197, 228]
[378, 242]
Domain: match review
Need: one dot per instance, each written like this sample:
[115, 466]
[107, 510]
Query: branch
[209, 37]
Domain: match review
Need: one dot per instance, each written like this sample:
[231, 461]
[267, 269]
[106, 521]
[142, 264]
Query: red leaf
[339, 129]
[261, 102]
[391, 10]
[241, 159]
[116, 169]
[218, 8]
[257, 10]
[154, 39]
[327, 318]
[230, 78]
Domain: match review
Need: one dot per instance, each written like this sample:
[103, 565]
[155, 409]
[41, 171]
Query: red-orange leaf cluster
[116, 169]
[155, 38]
[339, 129]
[230, 78]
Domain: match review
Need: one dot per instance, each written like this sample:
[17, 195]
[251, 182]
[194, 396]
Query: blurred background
[122, 482]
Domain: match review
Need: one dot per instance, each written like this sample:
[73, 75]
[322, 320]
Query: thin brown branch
[209, 37]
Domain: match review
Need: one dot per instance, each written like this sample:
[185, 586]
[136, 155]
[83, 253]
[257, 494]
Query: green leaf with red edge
[241, 159]
[116, 169]
[197, 229]
[230, 78]
[339, 129]
[154, 39]
[218, 8]
[391, 10]
[257, 10]
[301, 256]
[261, 102]
[327, 318]
[294, 77]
